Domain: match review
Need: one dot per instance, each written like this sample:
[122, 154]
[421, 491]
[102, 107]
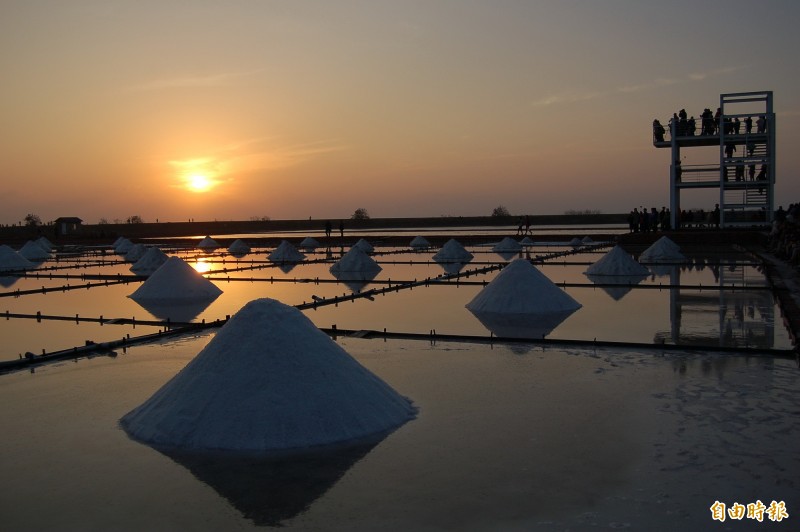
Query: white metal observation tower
[744, 172]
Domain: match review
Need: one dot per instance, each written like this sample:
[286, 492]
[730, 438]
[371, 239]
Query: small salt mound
[575, 242]
[309, 243]
[32, 250]
[45, 244]
[118, 241]
[176, 281]
[238, 247]
[526, 241]
[269, 380]
[365, 246]
[662, 250]
[520, 288]
[617, 262]
[208, 244]
[453, 251]
[285, 252]
[508, 244]
[11, 260]
[123, 247]
[587, 240]
[136, 252]
[152, 260]
[355, 260]
[420, 242]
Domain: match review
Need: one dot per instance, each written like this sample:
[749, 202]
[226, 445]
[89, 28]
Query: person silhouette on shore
[341, 228]
[328, 229]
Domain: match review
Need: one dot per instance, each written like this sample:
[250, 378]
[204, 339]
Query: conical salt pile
[269, 380]
[309, 243]
[520, 288]
[617, 262]
[45, 244]
[453, 251]
[152, 260]
[526, 241]
[285, 252]
[176, 281]
[238, 247]
[355, 260]
[587, 240]
[10, 260]
[420, 242]
[118, 241]
[123, 246]
[365, 246]
[507, 244]
[662, 250]
[575, 242]
[32, 250]
[208, 244]
[136, 252]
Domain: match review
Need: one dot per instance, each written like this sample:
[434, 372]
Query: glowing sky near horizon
[174, 110]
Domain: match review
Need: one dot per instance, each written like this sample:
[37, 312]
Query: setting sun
[199, 183]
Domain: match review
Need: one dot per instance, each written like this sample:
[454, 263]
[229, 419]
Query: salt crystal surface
[176, 281]
[617, 262]
[587, 240]
[355, 260]
[32, 250]
[453, 251]
[239, 247]
[662, 250]
[123, 247]
[152, 260]
[285, 252]
[136, 252]
[208, 244]
[420, 242]
[527, 241]
[507, 244]
[520, 288]
[365, 246]
[309, 243]
[45, 244]
[11, 260]
[268, 381]
[575, 242]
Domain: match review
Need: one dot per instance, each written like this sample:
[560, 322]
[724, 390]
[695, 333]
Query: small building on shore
[67, 225]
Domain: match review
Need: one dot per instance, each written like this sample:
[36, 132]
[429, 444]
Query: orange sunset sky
[173, 110]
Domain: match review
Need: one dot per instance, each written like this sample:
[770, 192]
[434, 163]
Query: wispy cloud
[211, 80]
[576, 96]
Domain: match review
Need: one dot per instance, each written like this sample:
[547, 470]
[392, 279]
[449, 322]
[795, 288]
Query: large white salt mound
[309, 243]
[617, 262]
[123, 247]
[269, 380]
[355, 260]
[11, 260]
[285, 252]
[45, 244]
[420, 242]
[239, 247]
[520, 288]
[662, 250]
[365, 246]
[176, 281]
[118, 241]
[507, 244]
[208, 244]
[32, 250]
[453, 251]
[136, 252]
[152, 260]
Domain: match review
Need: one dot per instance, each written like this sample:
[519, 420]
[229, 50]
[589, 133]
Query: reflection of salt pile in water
[662, 250]
[309, 243]
[11, 260]
[522, 302]
[508, 244]
[420, 242]
[150, 262]
[285, 252]
[365, 246]
[208, 244]
[136, 252]
[617, 268]
[269, 380]
[453, 251]
[175, 281]
[617, 262]
[239, 248]
[32, 250]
